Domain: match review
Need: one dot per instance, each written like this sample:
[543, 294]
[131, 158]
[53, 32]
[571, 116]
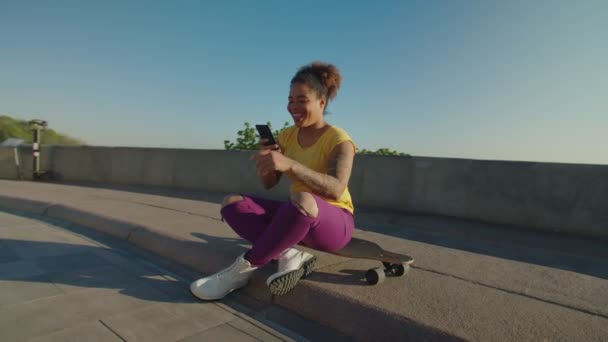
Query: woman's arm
[269, 179]
[332, 184]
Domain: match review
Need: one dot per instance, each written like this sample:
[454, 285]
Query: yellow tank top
[315, 157]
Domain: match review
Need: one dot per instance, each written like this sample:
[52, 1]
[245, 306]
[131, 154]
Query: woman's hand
[263, 145]
[268, 160]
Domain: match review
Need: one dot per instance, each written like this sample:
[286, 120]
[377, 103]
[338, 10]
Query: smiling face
[305, 106]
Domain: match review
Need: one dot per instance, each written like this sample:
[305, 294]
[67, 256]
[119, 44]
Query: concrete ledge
[24, 205]
[370, 323]
[104, 224]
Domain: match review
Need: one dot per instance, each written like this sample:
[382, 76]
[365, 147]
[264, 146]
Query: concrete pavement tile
[239, 302]
[23, 289]
[255, 330]
[70, 262]
[177, 290]
[224, 332]
[21, 268]
[7, 254]
[143, 286]
[310, 329]
[155, 276]
[164, 322]
[100, 277]
[90, 332]
[65, 311]
[200, 311]
[125, 260]
[28, 249]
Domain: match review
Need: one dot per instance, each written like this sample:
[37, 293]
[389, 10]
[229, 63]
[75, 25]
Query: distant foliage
[248, 138]
[383, 152]
[13, 128]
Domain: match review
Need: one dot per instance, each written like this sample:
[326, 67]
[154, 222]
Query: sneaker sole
[288, 281]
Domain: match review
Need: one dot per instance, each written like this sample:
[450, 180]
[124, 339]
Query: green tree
[248, 138]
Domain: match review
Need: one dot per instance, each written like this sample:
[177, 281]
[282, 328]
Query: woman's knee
[306, 203]
[231, 199]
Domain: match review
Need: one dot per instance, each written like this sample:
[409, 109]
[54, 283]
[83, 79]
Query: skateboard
[395, 265]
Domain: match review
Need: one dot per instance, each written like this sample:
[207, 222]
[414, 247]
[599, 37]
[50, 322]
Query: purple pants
[274, 226]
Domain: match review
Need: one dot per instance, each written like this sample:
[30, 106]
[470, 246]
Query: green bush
[247, 139]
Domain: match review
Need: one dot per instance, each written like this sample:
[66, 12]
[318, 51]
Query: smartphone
[266, 133]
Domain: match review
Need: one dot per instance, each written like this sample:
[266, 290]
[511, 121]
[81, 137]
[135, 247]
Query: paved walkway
[470, 280]
[59, 285]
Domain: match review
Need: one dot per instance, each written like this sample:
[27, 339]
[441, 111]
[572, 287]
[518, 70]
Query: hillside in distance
[15, 128]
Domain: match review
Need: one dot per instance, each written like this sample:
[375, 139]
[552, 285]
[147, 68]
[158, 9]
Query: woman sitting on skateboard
[318, 159]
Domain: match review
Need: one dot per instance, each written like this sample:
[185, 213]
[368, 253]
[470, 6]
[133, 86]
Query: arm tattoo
[339, 166]
[319, 183]
[333, 183]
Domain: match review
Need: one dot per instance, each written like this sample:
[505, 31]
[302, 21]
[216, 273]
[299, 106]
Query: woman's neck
[314, 128]
[308, 136]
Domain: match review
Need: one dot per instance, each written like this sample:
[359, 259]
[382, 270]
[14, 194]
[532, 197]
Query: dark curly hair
[323, 78]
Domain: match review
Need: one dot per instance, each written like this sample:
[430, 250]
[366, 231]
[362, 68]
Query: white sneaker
[293, 266]
[218, 285]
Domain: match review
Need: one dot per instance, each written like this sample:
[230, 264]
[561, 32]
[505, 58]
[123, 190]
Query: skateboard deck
[395, 264]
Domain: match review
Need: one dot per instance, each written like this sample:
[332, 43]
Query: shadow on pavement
[545, 248]
[76, 267]
[220, 243]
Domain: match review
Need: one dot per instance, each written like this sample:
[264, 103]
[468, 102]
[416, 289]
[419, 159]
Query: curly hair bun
[327, 74]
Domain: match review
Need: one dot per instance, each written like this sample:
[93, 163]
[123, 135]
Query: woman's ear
[323, 102]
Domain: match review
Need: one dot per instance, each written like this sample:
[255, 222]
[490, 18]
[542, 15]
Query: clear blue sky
[506, 80]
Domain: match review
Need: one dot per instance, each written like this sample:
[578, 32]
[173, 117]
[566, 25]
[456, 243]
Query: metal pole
[19, 175]
[36, 151]
[37, 125]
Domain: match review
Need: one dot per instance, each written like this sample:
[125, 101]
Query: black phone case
[266, 133]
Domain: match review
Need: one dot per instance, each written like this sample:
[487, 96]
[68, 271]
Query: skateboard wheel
[402, 269]
[375, 276]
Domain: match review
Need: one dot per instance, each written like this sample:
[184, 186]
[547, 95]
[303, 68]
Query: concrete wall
[560, 197]
[7, 164]
[213, 170]
[8, 167]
